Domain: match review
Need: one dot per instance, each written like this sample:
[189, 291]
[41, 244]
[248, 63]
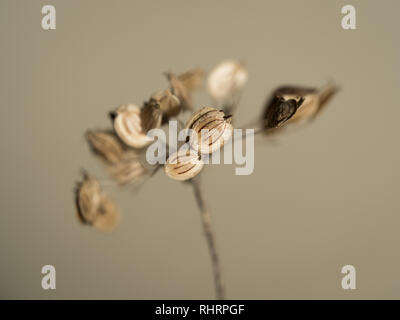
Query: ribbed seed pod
[211, 129]
[183, 165]
[131, 123]
[192, 79]
[106, 145]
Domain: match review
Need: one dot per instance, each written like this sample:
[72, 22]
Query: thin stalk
[210, 237]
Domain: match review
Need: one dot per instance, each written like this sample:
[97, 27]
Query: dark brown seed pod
[211, 128]
[279, 110]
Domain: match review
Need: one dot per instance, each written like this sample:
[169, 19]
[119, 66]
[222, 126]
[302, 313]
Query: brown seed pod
[279, 110]
[108, 216]
[210, 130]
[132, 123]
[168, 102]
[192, 79]
[106, 145]
[128, 170]
[183, 165]
[87, 198]
[94, 207]
[179, 89]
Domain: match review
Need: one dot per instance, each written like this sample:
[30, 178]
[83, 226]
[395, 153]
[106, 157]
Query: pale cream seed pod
[226, 80]
[132, 123]
[183, 165]
[210, 130]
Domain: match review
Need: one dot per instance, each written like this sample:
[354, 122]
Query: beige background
[324, 196]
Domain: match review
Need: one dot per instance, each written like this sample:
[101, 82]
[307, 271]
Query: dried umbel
[106, 145]
[279, 110]
[183, 165]
[226, 80]
[169, 104]
[95, 207]
[211, 128]
[132, 123]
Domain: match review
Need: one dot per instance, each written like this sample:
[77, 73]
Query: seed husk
[106, 145]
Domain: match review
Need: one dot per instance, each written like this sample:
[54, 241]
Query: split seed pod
[314, 100]
[106, 145]
[95, 207]
[226, 80]
[279, 110]
[183, 165]
[210, 130]
[132, 123]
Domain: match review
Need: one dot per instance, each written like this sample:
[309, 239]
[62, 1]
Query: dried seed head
[168, 102]
[279, 110]
[94, 207]
[128, 170]
[131, 124]
[183, 165]
[210, 130]
[106, 145]
[226, 80]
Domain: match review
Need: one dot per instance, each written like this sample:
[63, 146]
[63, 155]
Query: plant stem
[208, 232]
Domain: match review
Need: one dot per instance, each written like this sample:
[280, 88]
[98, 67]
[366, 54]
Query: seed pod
[94, 207]
[183, 165]
[210, 129]
[178, 88]
[87, 198]
[226, 80]
[168, 102]
[132, 123]
[192, 79]
[279, 110]
[128, 170]
[314, 100]
[106, 145]
[108, 216]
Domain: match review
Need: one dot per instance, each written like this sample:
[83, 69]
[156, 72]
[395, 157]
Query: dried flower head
[132, 123]
[183, 165]
[226, 80]
[105, 144]
[95, 207]
[211, 128]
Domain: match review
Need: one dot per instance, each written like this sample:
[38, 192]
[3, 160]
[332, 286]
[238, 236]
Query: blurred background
[320, 197]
